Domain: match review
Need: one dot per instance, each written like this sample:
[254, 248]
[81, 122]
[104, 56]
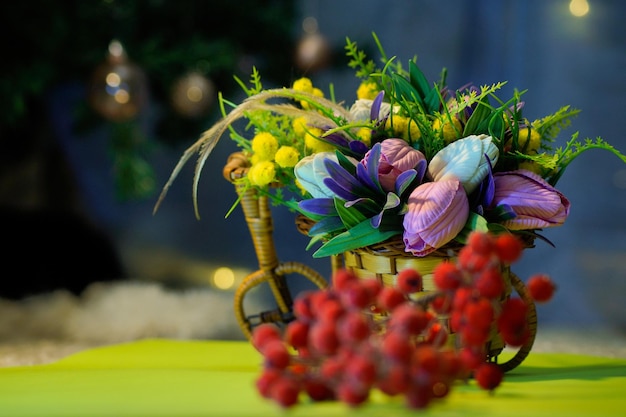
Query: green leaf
[432, 101]
[481, 112]
[496, 125]
[418, 80]
[405, 91]
[475, 222]
[346, 163]
[359, 236]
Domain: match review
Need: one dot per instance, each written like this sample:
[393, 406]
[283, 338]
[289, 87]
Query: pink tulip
[396, 157]
[437, 212]
[536, 203]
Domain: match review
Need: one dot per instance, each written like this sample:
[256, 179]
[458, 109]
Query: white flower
[310, 173]
[465, 160]
[362, 108]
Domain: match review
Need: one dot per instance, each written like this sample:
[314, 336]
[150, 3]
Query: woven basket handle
[258, 216]
[279, 315]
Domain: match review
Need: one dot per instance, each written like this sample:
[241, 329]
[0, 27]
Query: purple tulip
[396, 157]
[437, 212]
[536, 203]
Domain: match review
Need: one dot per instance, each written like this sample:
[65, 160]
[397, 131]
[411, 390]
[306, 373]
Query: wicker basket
[382, 261]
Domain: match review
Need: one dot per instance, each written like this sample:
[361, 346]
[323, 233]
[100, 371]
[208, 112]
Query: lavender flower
[437, 212]
[536, 203]
[396, 157]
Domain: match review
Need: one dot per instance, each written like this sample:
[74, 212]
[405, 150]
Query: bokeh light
[579, 8]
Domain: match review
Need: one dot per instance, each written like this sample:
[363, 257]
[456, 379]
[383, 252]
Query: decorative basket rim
[395, 246]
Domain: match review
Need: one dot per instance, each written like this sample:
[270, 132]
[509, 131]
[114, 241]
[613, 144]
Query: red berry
[302, 306]
[264, 333]
[344, 277]
[351, 395]
[408, 318]
[472, 357]
[450, 363]
[373, 287]
[361, 371]
[541, 287]
[514, 311]
[320, 297]
[265, 381]
[332, 368]
[276, 354]
[461, 297]
[515, 335]
[409, 281]
[457, 321]
[395, 380]
[396, 346]
[509, 248]
[356, 295]
[442, 304]
[481, 243]
[354, 327]
[297, 334]
[490, 283]
[447, 276]
[471, 261]
[318, 390]
[479, 313]
[323, 337]
[488, 375]
[389, 298]
[418, 396]
[426, 359]
[330, 310]
[285, 392]
[474, 336]
[512, 322]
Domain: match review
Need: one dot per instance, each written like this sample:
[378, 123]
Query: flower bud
[396, 157]
[310, 173]
[437, 212]
[536, 203]
[465, 160]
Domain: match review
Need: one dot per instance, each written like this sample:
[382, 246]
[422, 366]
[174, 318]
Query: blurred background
[80, 171]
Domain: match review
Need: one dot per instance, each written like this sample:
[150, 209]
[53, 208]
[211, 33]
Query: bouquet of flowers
[417, 166]
[408, 159]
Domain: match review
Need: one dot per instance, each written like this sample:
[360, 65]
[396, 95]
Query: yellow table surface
[216, 378]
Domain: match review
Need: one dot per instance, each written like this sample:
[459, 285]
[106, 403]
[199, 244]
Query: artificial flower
[468, 160]
[536, 203]
[361, 110]
[287, 157]
[436, 213]
[264, 146]
[311, 171]
[396, 156]
[262, 173]
[407, 157]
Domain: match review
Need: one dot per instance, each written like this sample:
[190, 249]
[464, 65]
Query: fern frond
[549, 127]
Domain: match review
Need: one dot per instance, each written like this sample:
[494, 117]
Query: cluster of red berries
[359, 335]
